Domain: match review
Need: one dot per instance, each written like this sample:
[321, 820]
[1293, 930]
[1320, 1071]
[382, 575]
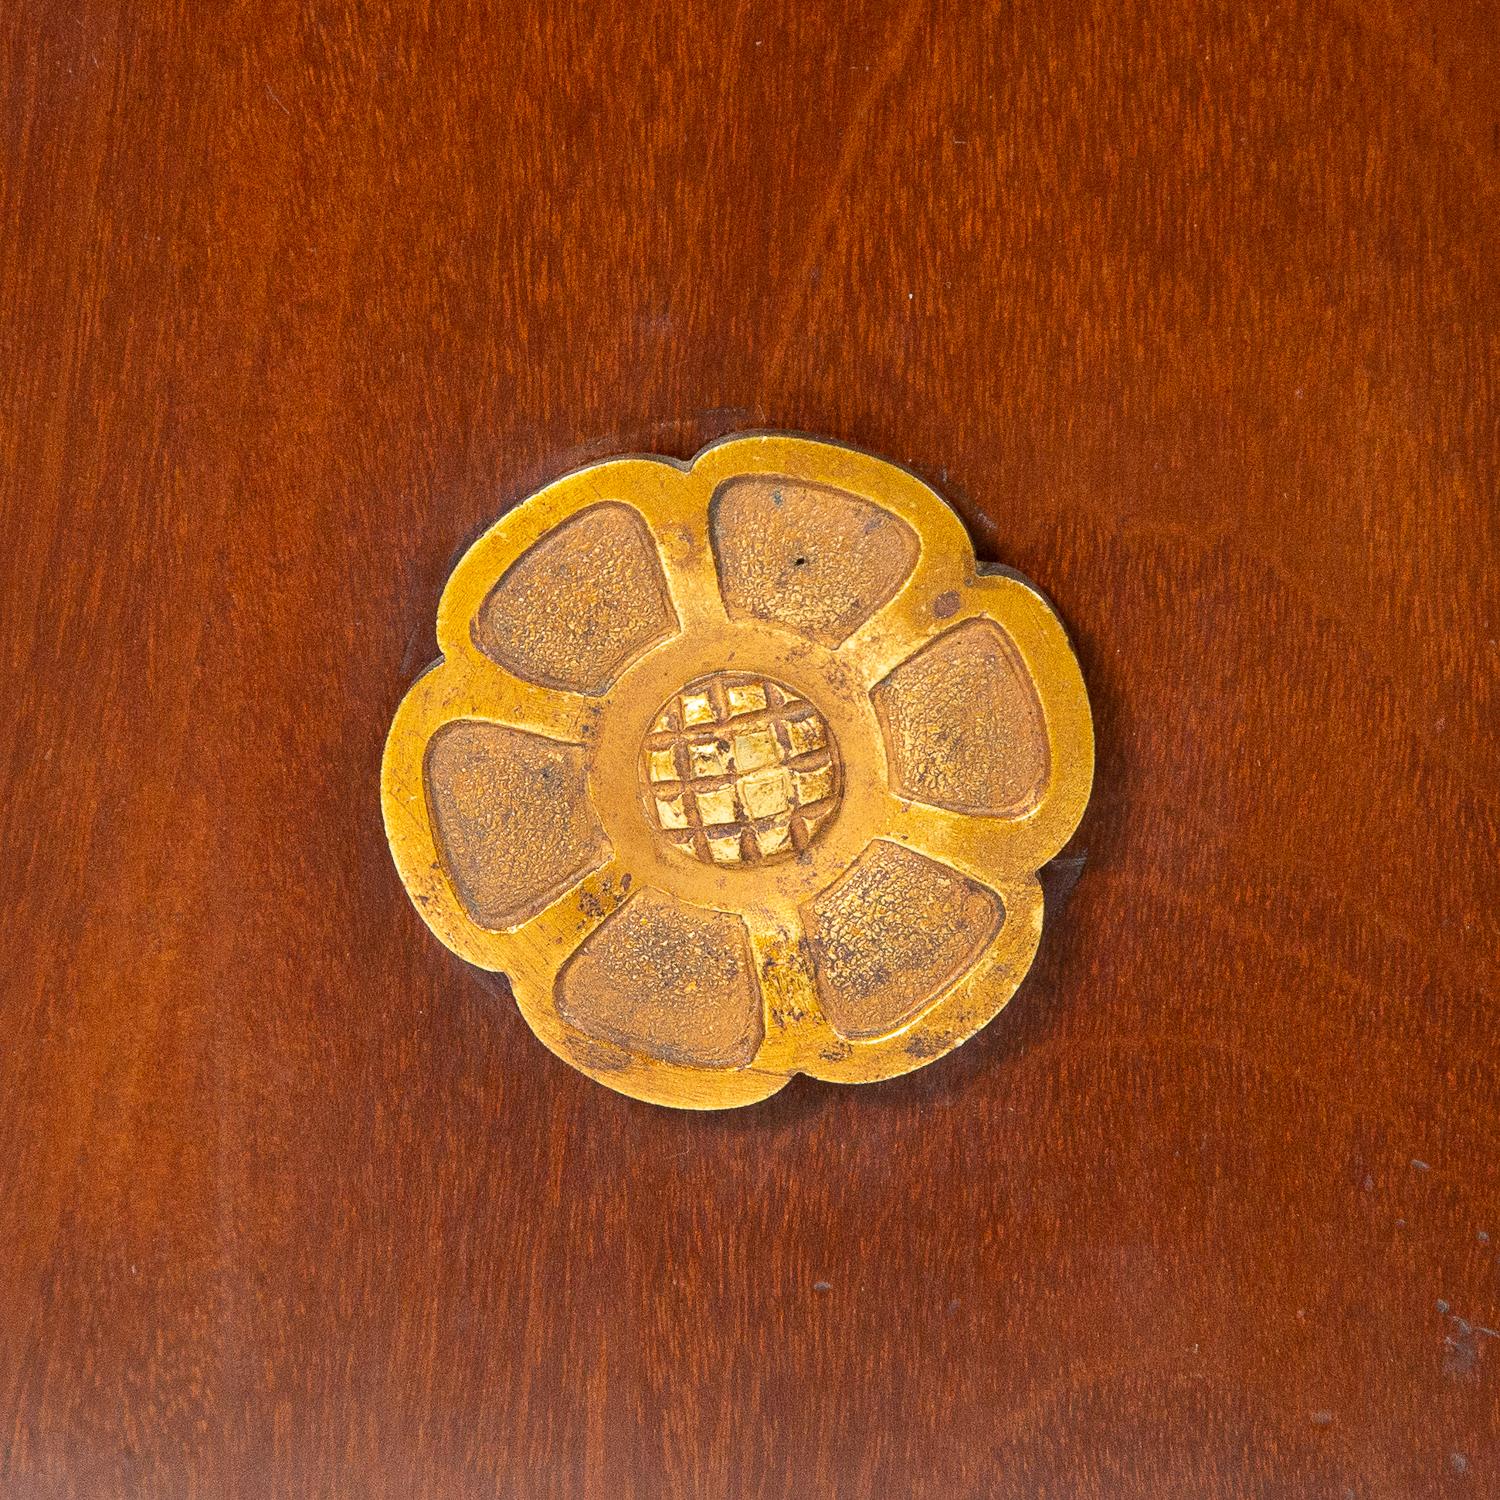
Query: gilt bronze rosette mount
[739, 769]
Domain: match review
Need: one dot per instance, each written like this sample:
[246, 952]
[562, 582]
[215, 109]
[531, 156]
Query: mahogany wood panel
[1190, 308]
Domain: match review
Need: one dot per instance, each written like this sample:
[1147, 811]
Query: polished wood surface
[1191, 310]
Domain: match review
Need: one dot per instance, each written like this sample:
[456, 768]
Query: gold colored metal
[739, 769]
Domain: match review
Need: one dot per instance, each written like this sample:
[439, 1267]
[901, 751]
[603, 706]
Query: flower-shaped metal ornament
[739, 770]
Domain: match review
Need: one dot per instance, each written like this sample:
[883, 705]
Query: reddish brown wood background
[1191, 309]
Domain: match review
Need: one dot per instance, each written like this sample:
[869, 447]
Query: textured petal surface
[512, 818]
[576, 608]
[807, 556]
[668, 979]
[892, 933]
[962, 724]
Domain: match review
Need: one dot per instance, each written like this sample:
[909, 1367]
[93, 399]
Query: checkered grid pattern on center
[739, 770]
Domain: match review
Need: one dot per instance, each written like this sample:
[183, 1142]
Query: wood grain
[1191, 309]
